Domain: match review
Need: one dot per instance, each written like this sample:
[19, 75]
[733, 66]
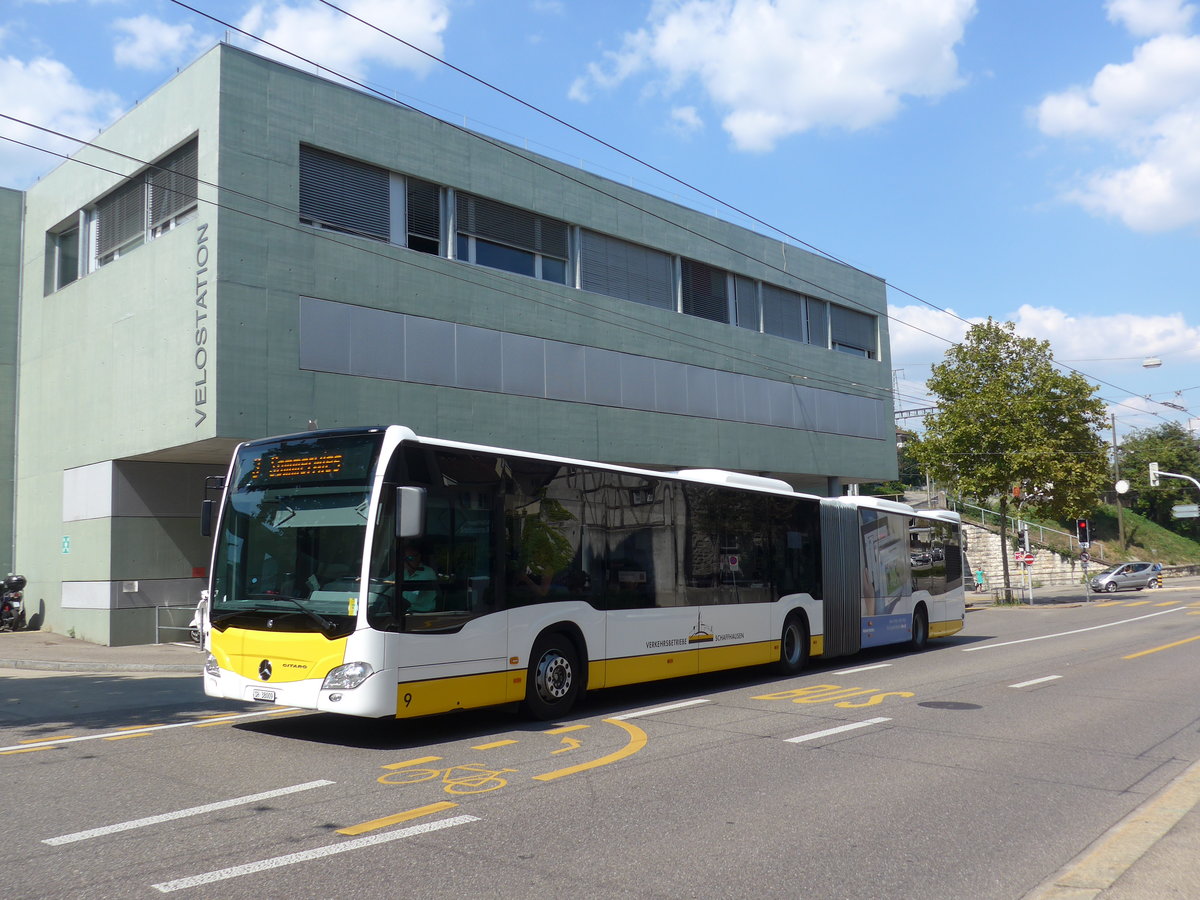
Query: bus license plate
[260, 694]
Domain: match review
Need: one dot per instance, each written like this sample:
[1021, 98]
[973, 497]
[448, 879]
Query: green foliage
[1175, 450]
[1007, 417]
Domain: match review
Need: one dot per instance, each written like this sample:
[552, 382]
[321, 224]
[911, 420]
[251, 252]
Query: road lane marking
[1035, 681]
[1043, 637]
[840, 729]
[182, 813]
[191, 723]
[657, 709]
[411, 762]
[411, 814]
[565, 729]
[276, 862]
[637, 740]
[493, 745]
[1138, 603]
[1168, 603]
[128, 735]
[48, 740]
[862, 669]
[1163, 647]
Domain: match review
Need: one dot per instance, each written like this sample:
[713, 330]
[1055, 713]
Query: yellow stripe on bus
[945, 629]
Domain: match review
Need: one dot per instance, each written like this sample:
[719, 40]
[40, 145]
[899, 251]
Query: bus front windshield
[289, 552]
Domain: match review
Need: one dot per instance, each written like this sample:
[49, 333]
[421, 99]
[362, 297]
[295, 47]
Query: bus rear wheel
[793, 646]
[920, 630]
[554, 677]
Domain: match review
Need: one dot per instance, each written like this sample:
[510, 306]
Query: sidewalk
[58, 653]
[1067, 594]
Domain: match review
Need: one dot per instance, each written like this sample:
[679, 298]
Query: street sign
[1084, 557]
[1022, 556]
[1186, 511]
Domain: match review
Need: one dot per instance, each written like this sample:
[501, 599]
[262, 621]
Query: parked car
[1130, 576]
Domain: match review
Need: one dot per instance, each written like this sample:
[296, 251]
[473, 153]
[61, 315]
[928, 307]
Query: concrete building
[253, 249]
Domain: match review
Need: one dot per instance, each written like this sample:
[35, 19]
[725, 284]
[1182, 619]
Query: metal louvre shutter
[841, 543]
[504, 224]
[704, 292]
[173, 184]
[745, 299]
[121, 216]
[424, 209]
[783, 313]
[627, 271]
[851, 328]
[343, 193]
[818, 321]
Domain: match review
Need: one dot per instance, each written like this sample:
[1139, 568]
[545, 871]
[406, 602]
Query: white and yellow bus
[373, 572]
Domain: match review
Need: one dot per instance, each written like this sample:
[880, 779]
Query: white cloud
[781, 67]
[1145, 18]
[685, 121]
[1148, 112]
[327, 37]
[148, 43]
[45, 92]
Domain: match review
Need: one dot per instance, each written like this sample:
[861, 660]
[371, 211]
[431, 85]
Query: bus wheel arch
[557, 672]
[793, 644]
[920, 628]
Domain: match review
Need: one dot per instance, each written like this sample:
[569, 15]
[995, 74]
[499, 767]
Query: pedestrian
[979, 581]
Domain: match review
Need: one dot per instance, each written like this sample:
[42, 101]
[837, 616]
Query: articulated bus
[373, 572]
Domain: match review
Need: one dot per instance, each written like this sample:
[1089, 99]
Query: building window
[818, 321]
[344, 195]
[746, 304]
[172, 187]
[852, 331]
[119, 220]
[626, 271]
[784, 313]
[423, 216]
[500, 236]
[705, 291]
[64, 246]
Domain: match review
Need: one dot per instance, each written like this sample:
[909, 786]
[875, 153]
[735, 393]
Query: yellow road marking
[565, 729]
[1110, 603]
[399, 817]
[125, 737]
[61, 737]
[139, 727]
[571, 744]
[1138, 603]
[637, 740]
[493, 745]
[411, 762]
[1167, 603]
[1163, 647]
[29, 750]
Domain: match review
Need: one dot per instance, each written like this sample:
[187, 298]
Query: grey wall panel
[478, 358]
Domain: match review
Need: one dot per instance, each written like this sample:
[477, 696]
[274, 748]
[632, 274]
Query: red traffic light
[1084, 531]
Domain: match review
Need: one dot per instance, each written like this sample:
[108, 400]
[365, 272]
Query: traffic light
[1084, 531]
[1153, 474]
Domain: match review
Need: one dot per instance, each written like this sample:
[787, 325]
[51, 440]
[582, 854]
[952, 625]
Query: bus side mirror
[410, 512]
[206, 517]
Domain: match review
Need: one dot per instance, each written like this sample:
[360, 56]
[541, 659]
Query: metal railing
[174, 619]
[1014, 527]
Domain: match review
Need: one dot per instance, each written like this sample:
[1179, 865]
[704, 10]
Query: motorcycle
[198, 625]
[12, 604]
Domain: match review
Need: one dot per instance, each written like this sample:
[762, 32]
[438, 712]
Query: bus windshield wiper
[324, 623]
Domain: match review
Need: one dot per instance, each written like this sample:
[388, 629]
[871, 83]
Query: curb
[100, 667]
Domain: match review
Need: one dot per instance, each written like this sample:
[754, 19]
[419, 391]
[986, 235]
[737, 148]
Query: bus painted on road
[374, 572]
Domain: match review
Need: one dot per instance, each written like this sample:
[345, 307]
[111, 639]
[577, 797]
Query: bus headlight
[211, 667]
[347, 677]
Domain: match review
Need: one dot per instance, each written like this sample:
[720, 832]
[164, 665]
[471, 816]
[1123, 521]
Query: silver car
[1130, 576]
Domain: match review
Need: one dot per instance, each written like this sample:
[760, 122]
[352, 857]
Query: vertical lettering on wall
[201, 354]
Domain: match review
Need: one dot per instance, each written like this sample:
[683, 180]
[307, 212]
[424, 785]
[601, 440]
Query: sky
[1029, 161]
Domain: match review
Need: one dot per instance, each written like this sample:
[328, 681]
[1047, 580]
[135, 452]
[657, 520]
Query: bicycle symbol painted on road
[464, 779]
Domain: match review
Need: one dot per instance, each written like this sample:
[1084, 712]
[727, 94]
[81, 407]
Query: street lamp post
[1117, 486]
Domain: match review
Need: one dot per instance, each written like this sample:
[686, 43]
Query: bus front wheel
[554, 677]
[793, 646]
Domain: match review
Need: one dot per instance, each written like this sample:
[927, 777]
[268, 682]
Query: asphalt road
[979, 768]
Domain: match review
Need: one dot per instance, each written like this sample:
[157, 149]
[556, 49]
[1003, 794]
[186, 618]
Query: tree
[1174, 449]
[1008, 419]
